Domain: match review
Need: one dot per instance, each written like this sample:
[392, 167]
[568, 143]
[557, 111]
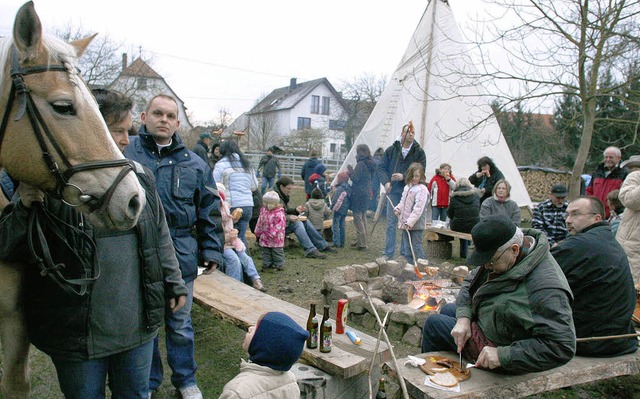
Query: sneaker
[257, 284]
[331, 249]
[191, 392]
[315, 254]
[279, 267]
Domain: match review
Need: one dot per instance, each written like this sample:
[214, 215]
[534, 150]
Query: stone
[369, 322]
[340, 292]
[395, 331]
[373, 268]
[362, 272]
[408, 273]
[413, 336]
[378, 303]
[352, 296]
[398, 292]
[359, 286]
[391, 268]
[349, 273]
[357, 304]
[421, 317]
[333, 278]
[459, 273]
[376, 283]
[404, 315]
[356, 318]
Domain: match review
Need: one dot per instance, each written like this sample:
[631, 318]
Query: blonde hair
[412, 170]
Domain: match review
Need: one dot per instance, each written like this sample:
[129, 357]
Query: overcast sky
[226, 54]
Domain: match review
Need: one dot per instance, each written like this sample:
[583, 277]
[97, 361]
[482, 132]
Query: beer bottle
[312, 327]
[381, 394]
[325, 331]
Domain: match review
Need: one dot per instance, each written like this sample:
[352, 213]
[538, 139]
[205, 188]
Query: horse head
[52, 134]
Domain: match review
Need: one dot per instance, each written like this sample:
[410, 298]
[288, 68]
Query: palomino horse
[52, 136]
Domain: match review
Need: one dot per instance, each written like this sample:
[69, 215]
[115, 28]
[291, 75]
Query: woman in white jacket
[234, 171]
[628, 232]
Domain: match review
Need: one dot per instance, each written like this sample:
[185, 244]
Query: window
[336, 125]
[315, 104]
[142, 83]
[304, 123]
[325, 105]
[332, 147]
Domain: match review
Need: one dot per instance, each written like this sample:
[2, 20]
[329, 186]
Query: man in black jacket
[202, 147]
[598, 272]
[391, 172]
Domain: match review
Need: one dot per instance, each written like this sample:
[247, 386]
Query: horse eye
[63, 108]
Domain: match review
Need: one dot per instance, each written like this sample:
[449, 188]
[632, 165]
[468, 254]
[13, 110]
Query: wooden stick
[373, 358]
[607, 337]
[405, 394]
[415, 261]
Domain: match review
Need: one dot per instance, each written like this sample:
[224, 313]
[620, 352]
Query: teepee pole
[425, 94]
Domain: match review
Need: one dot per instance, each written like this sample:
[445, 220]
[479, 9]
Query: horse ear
[27, 32]
[81, 44]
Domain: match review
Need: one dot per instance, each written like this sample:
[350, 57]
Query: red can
[341, 315]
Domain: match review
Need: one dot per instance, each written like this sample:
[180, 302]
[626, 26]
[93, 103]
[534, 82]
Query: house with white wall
[141, 83]
[314, 107]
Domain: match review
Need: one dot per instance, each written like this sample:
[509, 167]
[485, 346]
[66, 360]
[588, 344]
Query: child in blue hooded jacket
[274, 344]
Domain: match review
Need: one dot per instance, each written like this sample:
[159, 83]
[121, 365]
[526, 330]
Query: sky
[227, 54]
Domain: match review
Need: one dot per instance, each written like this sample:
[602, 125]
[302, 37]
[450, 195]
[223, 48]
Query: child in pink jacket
[411, 212]
[270, 231]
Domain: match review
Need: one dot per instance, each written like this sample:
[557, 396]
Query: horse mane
[60, 52]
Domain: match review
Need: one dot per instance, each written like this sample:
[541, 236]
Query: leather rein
[20, 94]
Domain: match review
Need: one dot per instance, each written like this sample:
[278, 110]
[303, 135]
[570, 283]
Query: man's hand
[177, 305]
[387, 187]
[397, 177]
[210, 267]
[488, 358]
[30, 194]
[461, 332]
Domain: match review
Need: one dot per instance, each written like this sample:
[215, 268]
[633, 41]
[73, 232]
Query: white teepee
[430, 88]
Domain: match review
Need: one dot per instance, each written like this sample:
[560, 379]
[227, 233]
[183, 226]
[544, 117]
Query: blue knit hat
[320, 168]
[277, 342]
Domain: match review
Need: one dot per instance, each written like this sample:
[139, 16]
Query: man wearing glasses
[513, 311]
[598, 272]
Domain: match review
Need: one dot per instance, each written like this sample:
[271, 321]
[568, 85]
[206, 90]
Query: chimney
[124, 61]
[293, 84]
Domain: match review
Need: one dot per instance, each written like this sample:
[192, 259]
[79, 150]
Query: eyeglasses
[494, 261]
[578, 214]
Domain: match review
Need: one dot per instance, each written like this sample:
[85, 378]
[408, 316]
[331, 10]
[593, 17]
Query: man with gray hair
[607, 177]
[514, 311]
[598, 272]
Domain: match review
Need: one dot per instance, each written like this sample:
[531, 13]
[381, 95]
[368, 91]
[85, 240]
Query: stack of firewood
[539, 181]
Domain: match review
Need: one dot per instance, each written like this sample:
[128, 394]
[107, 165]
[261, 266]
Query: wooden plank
[448, 232]
[242, 305]
[487, 384]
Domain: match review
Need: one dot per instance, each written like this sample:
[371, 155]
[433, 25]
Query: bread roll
[445, 379]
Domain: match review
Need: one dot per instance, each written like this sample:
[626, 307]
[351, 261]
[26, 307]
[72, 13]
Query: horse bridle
[25, 102]
[42, 256]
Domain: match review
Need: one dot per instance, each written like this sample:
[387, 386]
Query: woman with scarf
[500, 203]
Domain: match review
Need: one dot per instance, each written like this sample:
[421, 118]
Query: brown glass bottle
[381, 394]
[312, 327]
[325, 331]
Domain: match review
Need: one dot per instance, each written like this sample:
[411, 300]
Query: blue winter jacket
[186, 187]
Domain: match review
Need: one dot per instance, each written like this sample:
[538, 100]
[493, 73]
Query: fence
[291, 165]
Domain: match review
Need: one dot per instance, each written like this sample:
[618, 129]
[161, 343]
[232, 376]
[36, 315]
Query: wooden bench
[487, 384]
[242, 305]
[438, 241]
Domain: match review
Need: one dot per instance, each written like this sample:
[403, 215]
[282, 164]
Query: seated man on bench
[598, 272]
[513, 311]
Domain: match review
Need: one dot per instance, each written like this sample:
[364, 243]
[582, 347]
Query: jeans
[243, 224]
[438, 213]
[232, 266]
[248, 266]
[267, 182]
[180, 348]
[416, 240]
[338, 230]
[128, 373]
[464, 245]
[436, 334]
[391, 237]
[308, 236]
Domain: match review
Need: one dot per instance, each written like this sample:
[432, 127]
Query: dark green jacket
[59, 323]
[525, 312]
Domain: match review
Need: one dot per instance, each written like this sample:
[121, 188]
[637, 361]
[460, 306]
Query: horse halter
[25, 102]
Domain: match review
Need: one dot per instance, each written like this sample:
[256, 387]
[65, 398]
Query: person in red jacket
[440, 187]
[607, 177]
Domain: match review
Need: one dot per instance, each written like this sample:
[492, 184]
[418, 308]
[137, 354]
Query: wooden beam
[242, 305]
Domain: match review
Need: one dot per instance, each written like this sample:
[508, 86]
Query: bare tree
[262, 131]
[361, 95]
[553, 48]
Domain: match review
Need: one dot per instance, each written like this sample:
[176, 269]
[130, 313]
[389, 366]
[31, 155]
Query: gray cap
[559, 190]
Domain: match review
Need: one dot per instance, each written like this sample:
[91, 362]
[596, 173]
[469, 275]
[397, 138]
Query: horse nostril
[134, 205]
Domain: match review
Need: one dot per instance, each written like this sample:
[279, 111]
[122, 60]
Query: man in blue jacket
[186, 187]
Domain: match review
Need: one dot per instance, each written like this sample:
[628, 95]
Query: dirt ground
[218, 343]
